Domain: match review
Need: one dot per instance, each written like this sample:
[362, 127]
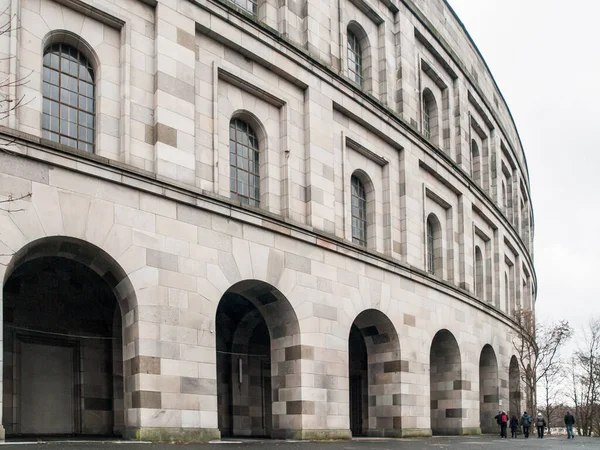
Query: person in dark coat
[514, 426]
[540, 423]
[498, 418]
[569, 422]
[502, 420]
[526, 423]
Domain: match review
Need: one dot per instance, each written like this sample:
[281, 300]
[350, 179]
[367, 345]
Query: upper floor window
[434, 245]
[430, 117]
[504, 200]
[355, 62]
[249, 5]
[475, 163]
[479, 285]
[68, 98]
[359, 212]
[243, 163]
[506, 294]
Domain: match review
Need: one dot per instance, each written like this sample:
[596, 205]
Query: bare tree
[537, 346]
[586, 381]
[551, 389]
[10, 101]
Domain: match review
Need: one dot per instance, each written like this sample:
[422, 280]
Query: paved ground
[481, 442]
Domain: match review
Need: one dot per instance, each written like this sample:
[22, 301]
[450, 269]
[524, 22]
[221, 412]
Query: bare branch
[536, 347]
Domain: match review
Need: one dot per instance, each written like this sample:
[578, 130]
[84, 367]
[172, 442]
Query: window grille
[359, 212]
[68, 115]
[243, 163]
[355, 64]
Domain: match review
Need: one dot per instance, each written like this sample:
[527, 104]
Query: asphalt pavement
[434, 443]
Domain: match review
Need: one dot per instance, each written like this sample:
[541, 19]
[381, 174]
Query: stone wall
[150, 213]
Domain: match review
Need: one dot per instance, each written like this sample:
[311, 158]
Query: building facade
[293, 219]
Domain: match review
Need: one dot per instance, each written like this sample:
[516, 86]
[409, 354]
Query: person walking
[540, 423]
[569, 422]
[526, 423]
[514, 426]
[503, 424]
[498, 418]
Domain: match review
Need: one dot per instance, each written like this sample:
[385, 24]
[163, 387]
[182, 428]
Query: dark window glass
[359, 212]
[243, 163]
[68, 98]
[249, 5]
[355, 65]
[426, 123]
[430, 244]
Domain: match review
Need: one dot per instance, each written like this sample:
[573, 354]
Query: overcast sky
[544, 57]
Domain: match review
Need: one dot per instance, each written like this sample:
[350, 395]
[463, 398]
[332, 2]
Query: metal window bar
[68, 90]
[359, 212]
[243, 163]
[430, 253]
[249, 5]
[426, 121]
[355, 64]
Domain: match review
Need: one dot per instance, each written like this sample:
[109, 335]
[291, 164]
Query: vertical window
[355, 63]
[430, 117]
[475, 163]
[359, 212]
[504, 201]
[479, 286]
[430, 245]
[68, 98]
[243, 163]
[506, 294]
[426, 122]
[434, 248]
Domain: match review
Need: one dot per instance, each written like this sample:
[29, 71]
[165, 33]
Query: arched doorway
[488, 390]
[63, 300]
[445, 385]
[374, 370]
[258, 350]
[514, 388]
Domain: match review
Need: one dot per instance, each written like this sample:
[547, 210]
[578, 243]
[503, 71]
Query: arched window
[476, 163]
[430, 117]
[434, 246]
[68, 98]
[359, 212]
[479, 286]
[504, 200]
[506, 294]
[355, 61]
[243, 163]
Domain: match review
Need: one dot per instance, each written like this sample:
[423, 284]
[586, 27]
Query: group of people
[526, 422]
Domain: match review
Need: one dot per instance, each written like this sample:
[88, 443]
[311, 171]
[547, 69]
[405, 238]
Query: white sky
[544, 57]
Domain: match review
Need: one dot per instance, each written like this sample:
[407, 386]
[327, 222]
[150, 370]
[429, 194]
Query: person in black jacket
[569, 422]
[514, 426]
[498, 418]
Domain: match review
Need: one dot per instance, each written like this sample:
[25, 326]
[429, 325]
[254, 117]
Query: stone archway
[258, 353]
[64, 301]
[446, 385]
[488, 390]
[514, 388]
[374, 370]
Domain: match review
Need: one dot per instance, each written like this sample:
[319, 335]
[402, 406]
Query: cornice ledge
[220, 205]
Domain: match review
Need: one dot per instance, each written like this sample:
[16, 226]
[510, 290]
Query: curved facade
[304, 219]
